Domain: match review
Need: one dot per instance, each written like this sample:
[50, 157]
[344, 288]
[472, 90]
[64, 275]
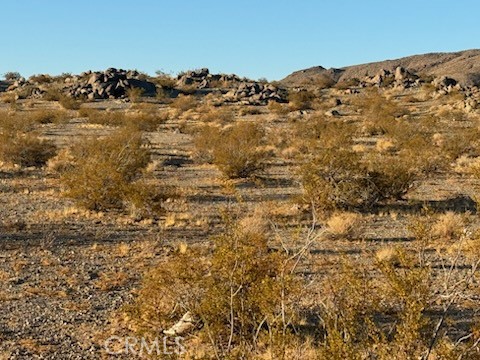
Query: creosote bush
[246, 302]
[301, 100]
[239, 292]
[69, 103]
[236, 150]
[184, 102]
[106, 173]
[19, 144]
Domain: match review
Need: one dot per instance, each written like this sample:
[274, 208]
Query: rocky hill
[463, 66]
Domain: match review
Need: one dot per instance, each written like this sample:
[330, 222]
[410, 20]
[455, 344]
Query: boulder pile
[202, 79]
[255, 93]
[110, 84]
[400, 78]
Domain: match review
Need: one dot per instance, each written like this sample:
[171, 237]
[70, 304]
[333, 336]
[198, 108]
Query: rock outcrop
[255, 93]
[202, 79]
[463, 66]
[110, 84]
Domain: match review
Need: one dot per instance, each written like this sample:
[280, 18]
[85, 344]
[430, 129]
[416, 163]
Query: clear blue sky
[253, 38]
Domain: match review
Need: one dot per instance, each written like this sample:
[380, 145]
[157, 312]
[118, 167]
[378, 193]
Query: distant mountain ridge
[463, 66]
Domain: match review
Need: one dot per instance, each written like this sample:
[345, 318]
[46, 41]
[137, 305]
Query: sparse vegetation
[237, 150]
[358, 235]
[106, 173]
[19, 144]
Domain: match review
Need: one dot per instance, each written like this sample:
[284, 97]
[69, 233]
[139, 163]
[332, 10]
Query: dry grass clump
[249, 110]
[62, 161]
[385, 145]
[107, 173]
[388, 254]
[69, 103]
[19, 144]
[110, 118]
[145, 118]
[236, 150]
[135, 94]
[220, 115]
[8, 98]
[343, 224]
[301, 100]
[184, 103]
[277, 108]
[48, 116]
[449, 225]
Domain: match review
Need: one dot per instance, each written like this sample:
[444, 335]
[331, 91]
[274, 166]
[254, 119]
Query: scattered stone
[183, 326]
[331, 113]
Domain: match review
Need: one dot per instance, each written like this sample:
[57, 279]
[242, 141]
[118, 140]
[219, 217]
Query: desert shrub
[393, 175]
[184, 102]
[240, 292]
[235, 150]
[135, 94]
[69, 103]
[249, 110]
[10, 98]
[52, 94]
[402, 294]
[42, 116]
[19, 144]
[12, 75]
[109, 118]
[220, 115]
[145, 118]
[336, 179]
[449, 225]
[205, 139]
[301, 100]
[164, 80]
[381, 115]
[460, 142]
[340, 178]
[40, 79]
[105, 171]
[347, 84]
[321, 81]
[25, 149]
[319, 132]
[277, 108]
